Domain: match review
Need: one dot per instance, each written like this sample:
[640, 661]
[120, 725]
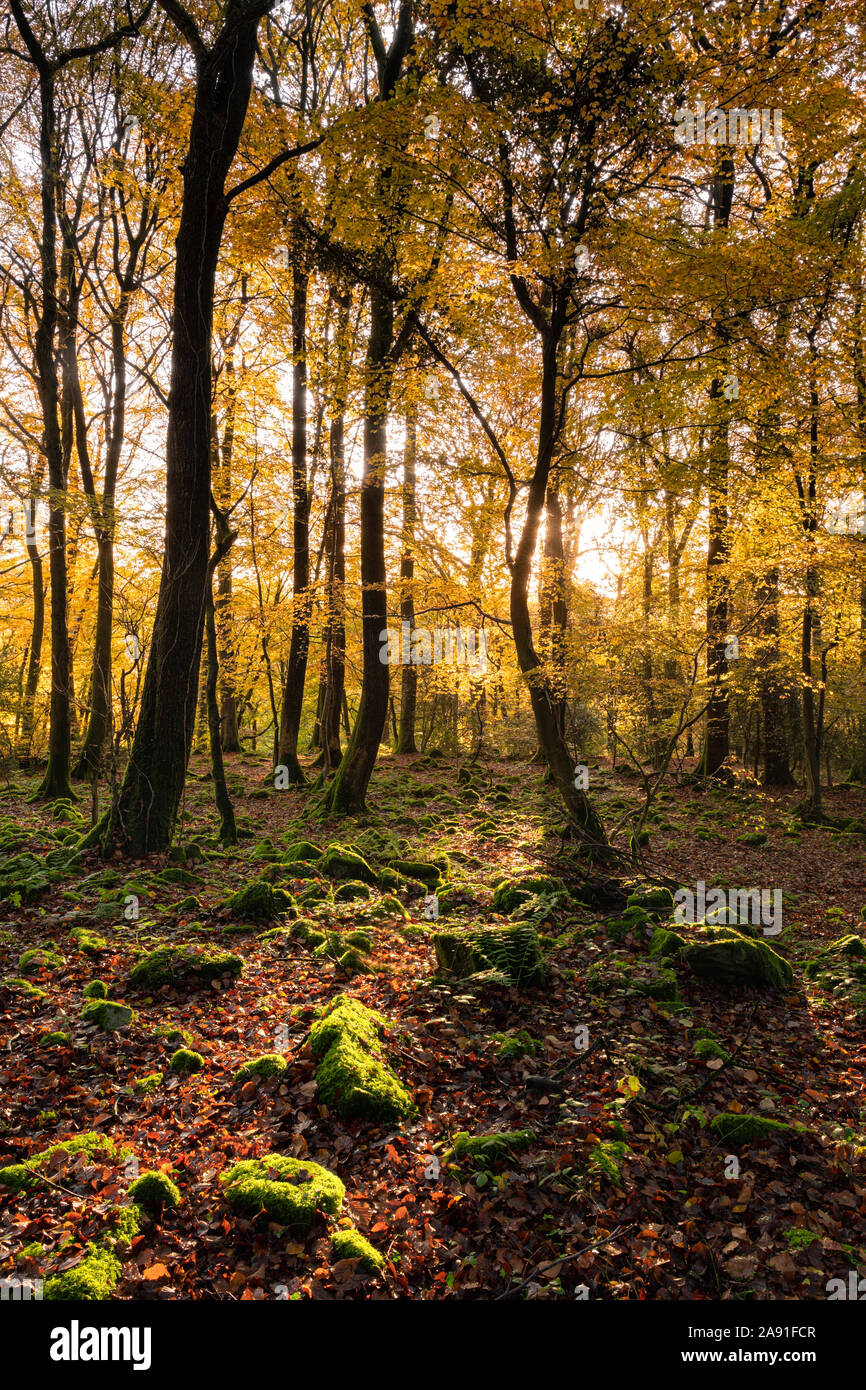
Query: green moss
[739, 1129]
[665, 943]
[351, 891]
[343, 862]
[424, 870]
[270, 1064]
[186, 1061]
[88, 943]
[360, 940]
[736, 959]
[59, 1039]
[850, 945]
[606, 1158]
[107, 1014]
[92, 1280]
[349, 1244]
[175, 965]
[488, 1148]
[21, 986]
[706, 1048]
[350, 1074]
[752, 837]
[657, 902]
[38, 959]
[800, 1238]
[172, 1036]
[95, 990]
[389, 906]
[153, 1191]
[292, 1191]
[145, 1084]
[25, 1176]
[260, 902]
[303, 852]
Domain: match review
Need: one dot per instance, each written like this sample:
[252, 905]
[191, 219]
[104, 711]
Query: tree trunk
[34, 661]
[348, 790]
[405, 741]
[293, 692]
[146, 809]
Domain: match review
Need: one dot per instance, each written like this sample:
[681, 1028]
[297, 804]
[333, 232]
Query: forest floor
[622, 1191]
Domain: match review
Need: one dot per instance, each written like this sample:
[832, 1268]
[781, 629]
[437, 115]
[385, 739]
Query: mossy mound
[343, 862]
[656, 902]
[186, 1061]
[107, 1014]
[481, 1149]
[513, 1046]
[153, 1191]
[58, 1039]
[665, 943]
[739, 1129]
[514, 892]
[39, 958]
[260, 902]
[350, 1074]
[352, 891]
[292, 1191]
[513, 953]
[88, 943]
[25, 1176]
[269, 1064]
[737, 959]
[97, 989]
[349, 1244]
[303, 852]
[183, 965]
[426, 871]
[707, 1048]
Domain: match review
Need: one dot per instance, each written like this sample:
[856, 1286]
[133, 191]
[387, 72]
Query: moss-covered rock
[514, 952]
[58, 1039]
[425, 871]
[352, 891]
[153, 1191]
[291, 1190]
[665, 943]
[39, 958]
[850, 945]
[260, 902]
[25, 1177]
[706, 1049]
[186, 1061]
[351, 1074]
[487, 1148]
[303, 852]
[88, 942]
[349, 1244]
[343, 862]
[183, 965]
[514, 892]
[737, 959]
[107, 1014]
[739, 1129]
[97, 989]
[269, 1064]
[656, 902]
